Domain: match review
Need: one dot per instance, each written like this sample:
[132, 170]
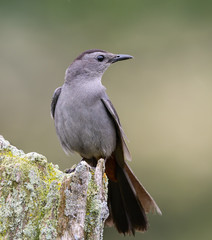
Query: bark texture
[38, 201]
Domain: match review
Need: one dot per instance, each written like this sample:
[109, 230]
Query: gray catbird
[87, 123]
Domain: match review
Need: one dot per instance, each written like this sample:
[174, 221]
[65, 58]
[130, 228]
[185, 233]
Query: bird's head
[93, 63]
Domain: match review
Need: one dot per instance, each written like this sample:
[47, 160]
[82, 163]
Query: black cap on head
[88, 52]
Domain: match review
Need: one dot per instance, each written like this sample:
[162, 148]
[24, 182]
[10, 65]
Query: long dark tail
[127, 212]
[128, 201]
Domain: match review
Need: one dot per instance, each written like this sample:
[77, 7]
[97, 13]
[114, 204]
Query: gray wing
[110, 108]
[54, 100]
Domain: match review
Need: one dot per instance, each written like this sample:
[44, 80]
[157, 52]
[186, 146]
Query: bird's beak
[120, 57]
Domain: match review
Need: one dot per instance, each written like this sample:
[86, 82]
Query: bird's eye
[100, 58]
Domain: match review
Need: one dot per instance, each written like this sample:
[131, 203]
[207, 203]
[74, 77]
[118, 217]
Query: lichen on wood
[38, 201]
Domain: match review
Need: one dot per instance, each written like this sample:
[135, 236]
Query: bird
[87, 123]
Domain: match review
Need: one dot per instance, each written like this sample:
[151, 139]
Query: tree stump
[38, 201]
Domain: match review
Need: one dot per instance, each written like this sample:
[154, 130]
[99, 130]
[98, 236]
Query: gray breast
[83, 123]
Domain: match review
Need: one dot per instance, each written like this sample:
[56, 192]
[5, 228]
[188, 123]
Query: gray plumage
[81, 108]
[87, 123]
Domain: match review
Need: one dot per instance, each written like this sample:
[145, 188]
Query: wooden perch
[38, 201]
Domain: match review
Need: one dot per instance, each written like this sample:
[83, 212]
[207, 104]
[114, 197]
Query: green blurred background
[163, 96]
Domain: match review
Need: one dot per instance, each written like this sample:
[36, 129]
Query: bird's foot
[70, 170]
[92, 161]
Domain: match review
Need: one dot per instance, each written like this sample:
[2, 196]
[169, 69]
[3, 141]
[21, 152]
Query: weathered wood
[38, 201]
